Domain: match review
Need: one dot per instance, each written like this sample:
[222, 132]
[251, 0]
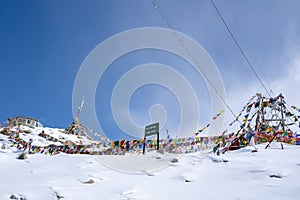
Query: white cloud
[287, 84]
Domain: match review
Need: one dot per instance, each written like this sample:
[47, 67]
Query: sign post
[152, 129]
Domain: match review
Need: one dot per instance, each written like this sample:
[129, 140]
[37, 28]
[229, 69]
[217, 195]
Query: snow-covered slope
[270, 173]
[43, 136]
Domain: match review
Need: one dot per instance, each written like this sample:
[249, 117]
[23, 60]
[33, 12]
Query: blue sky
[43, 44]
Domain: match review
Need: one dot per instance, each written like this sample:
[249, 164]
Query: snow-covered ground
[270, 173]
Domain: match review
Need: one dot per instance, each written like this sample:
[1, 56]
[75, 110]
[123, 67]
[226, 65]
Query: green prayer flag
[216, 147]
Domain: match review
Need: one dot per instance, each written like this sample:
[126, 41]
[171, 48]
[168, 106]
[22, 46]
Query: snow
[270, 173]
[53, 132]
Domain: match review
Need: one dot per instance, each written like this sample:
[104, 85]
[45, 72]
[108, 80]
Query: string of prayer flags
[266, 104]
[295, 108]
[289, 114]
[207, 125]
[248, 106]
[102, 137]
[295, 118]
[223, 133]
[216, 147]
[246, 117]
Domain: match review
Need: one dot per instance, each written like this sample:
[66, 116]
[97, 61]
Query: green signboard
[152, 129]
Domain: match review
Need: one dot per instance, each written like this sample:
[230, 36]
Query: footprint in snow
[217, 159]
[277, 174]
[128, 195]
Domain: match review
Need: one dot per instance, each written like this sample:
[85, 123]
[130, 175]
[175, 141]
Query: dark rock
[91, 181]
[27, 131]
[22, 156]
[218, 159]
[275, 176]
[188, 180]
[59, 196]
[13, 197]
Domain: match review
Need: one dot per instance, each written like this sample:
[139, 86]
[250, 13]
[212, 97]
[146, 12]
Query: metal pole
[158, 141]
[144, 145]
[282, 119]
[257, 125]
